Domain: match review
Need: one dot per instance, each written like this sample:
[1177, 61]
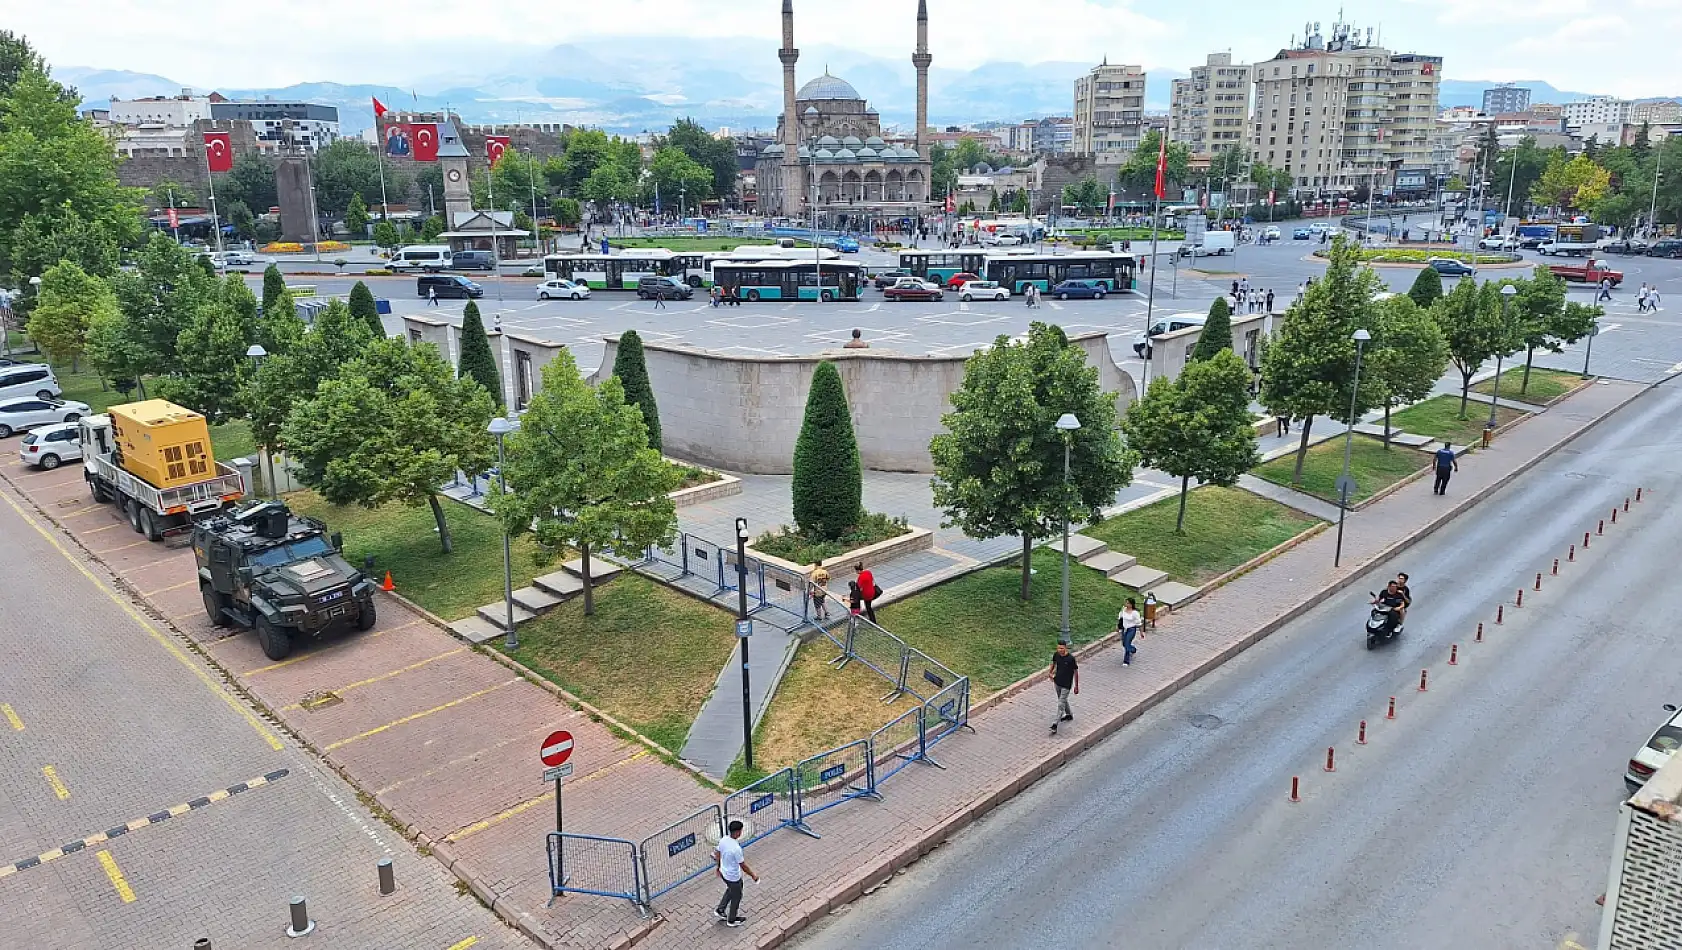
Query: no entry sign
[557, 748]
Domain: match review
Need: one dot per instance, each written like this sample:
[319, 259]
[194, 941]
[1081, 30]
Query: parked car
[982, 289]
[447, 285]
[1626, 246]
[50, 446]
[1142, 344]
[1008, 240]
[1302, 234]
[28, 379]
[1530, 242]
[1079, 288]
[1499, 242]
[885, 279]
[533, 270]
[959, 279]
[1449, 267]
[472, 260]
[669, 288]
[1665, 247]
[1661, 745]
[16, 415]
[847, 245]
[562, 288]
[911, 288]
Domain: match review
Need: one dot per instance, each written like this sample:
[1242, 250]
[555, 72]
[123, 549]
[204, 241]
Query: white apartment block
[1596, 110]
[1109, 112]
[1210, 110]
[1338, 112]
[174, 112]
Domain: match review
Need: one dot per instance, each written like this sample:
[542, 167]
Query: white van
[28, 379]
[427, 257]
[1179, 321]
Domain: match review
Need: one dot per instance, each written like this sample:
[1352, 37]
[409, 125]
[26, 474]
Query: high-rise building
[1109, 107]
[1337, 112]
[1656, 112]
[1210, 109]
[1506, 99]
[1596, 110]
[282, 125]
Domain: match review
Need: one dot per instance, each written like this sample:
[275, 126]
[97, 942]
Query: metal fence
[880, 651]
[924, 675]
[590, 864]
[680, 851]
[897, 744]
[831, 778]
[701, 567]
[946, 712]
[764, 806]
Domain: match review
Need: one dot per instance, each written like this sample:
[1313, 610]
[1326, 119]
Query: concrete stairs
[1124, 569]
[545, 594]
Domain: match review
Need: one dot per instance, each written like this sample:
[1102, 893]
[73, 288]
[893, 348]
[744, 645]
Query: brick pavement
[449, 764]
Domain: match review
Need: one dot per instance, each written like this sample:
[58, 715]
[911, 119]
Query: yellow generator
[162, 443]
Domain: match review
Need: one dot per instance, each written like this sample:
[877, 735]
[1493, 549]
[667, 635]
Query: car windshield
[1667, 740]
[294, 551]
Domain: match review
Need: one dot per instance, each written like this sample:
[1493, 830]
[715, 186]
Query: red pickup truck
[1592, 272]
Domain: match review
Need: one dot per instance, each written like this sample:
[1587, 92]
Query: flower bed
[789, 544]
[1403, 255]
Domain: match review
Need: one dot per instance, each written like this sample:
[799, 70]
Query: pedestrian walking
[1447, 465]
[1641, 299]
[432, 296]
[1283, 423]
[1653, 298]
[730, 866]
[1234, 293]
[717, 294]
[1065, 677]
[817, 588]
[867, 589]
[659, 300]
[1605, 290]
[1127, 624]
[1270, 300]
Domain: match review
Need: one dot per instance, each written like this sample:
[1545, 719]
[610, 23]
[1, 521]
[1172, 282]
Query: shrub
[477, 362]
[630, 365]
[828, 487]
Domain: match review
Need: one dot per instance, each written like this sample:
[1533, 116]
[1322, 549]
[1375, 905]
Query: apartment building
[1655, 112]
[1210, 110]
[1506, 99]
[1596, 110]
[1338, 112]
[1109, 113]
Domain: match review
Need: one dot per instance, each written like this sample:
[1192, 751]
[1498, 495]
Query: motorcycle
[1382, 625]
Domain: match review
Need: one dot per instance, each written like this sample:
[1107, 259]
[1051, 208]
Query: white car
[982, 290]
[562, 288]
[1009, 240]
[17, 415]
[51, 446]
[1658, 750]
[1273, 234]
[1497, 242]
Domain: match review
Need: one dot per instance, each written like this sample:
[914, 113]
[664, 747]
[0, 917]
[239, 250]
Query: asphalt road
[1482, 817]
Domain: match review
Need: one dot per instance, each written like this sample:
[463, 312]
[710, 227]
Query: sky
[1617, 47]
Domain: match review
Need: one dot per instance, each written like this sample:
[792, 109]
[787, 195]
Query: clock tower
[458, 192]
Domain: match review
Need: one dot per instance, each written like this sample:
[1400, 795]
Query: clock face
[455, 174]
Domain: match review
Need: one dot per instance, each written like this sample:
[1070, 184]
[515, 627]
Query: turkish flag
[1161, 165]
[218, 151]
[424, 138]
[951, 203]
[495, 146]
[379, 108]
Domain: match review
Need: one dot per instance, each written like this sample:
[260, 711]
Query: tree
[1470, 320]
[583, 474]
[1406, 357]
[1087, 194]
[160, 297]
[1519, 169]
[432, 227]
[1577, 183]
[477, 361]
[716, 155]
[566, 212]
[999, 464]
[828, 486]
[293, 374]
[1139, 171]
[394, 425]
[110, 349]
[211, 366]
[385, 234]
[1427, 288]
[1198, 425]
[244, 222]
[64, 311]
[1489, 146]
[363, 307]
[1545, 321]
[1308, 369]
[166, 191]
[1216, 334]
[943, 175]
[345, 168]
[356, 217]
[609, 182]
[587, 149]
[252, 180]
[631, 367]
[18, 57]
[274, 284]
[675, 174]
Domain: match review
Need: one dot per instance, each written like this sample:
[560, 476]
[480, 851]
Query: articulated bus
[789, 280]
[1016, 269]
[610, 271]
[939, 266]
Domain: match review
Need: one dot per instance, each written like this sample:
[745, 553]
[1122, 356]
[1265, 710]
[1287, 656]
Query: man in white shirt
[731, 867]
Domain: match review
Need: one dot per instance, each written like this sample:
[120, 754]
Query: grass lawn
[1373, 467]
[698, 243]
[404, 541]
[1439, 418]
[1545, 385]
[978, 626]
[232, 440]
[649, 656]
[1225, 527]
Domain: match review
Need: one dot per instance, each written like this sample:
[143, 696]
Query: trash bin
[1150, 611]
[382, 305]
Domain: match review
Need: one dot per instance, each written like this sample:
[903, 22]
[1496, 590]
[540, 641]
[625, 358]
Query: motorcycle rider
[1407, 597]
[1392, 598]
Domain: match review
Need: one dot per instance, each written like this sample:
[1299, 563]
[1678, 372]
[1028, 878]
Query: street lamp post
[1508, 291]
[1066, 424]
[742, 631]
[1594, 331]
[1345, 483]
[1653, 206]
[500, 427]
[256, 353]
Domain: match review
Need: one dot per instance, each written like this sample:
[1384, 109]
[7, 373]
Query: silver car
[51, 446]
[16, 415]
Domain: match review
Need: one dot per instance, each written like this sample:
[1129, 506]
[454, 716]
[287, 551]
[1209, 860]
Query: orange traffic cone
[387, 586]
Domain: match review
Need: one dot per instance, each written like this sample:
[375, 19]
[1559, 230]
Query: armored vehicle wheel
[213, 604]
[367, 619]
[275, 643]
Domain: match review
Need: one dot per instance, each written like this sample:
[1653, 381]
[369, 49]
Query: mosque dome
[827, 87]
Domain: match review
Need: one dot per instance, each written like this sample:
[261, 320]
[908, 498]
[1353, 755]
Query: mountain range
[629, 86]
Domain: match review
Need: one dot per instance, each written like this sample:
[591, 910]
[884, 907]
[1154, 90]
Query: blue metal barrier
[830, 778]
[591, 864]
[764, 806]
[946, 712]
[679, 852]
[897, 744]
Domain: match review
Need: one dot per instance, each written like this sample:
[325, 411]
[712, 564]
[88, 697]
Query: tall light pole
[1512, 182]
[1346, 484]
[256, 353]
[1066, 424]
[500, 427]
[743, 630]
[1653, 206]
[1594, 331]
[1508, 291]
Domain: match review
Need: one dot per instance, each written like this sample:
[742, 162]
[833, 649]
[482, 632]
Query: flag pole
[215, 220]
[496, 251]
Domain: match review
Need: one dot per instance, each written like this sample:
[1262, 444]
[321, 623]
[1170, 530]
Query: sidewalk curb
[854, 886]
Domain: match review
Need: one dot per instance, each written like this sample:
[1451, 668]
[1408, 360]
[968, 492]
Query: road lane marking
[471, 756]
[319, 653]
[502, 816]
[464, 944]
[165, 590]
[163, 641]
[11, 716]
[57, 783]
[116, 875]
[383, 676]
[123, 547]
[413, 716]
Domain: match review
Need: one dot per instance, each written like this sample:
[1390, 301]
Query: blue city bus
[789, 280]
[1045, 271]
[939, 266]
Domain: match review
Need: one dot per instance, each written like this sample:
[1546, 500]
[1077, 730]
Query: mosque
[830, 147]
